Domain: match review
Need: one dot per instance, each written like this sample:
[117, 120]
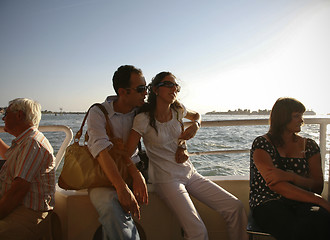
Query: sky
[225, 54]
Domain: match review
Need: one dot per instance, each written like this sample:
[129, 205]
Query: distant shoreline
[249, 112]
[3, 110]
[229, 112]
[61, 113]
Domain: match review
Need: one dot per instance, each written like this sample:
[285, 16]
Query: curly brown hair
[150, 106]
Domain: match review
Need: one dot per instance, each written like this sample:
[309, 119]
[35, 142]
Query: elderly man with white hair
[27, 178]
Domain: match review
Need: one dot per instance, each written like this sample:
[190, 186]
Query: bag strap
[108, 124]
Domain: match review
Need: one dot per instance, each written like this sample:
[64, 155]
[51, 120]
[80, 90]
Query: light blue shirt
[121, 126]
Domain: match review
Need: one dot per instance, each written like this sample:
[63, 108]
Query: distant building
[240, 112]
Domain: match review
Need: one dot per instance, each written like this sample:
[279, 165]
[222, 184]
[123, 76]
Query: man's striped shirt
[31, 158]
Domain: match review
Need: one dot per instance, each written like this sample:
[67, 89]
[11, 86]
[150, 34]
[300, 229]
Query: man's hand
[14, 196]
[128, 201]
[140, 188]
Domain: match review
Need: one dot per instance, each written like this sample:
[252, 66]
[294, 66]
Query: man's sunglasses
[7, 111]
[169, 84]
[140, 88]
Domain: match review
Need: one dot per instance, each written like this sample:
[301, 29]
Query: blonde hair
[31, 109]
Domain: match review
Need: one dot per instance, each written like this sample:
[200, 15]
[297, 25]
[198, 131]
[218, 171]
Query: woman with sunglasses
[170, 169]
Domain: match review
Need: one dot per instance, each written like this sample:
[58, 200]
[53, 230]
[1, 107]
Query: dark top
[259, 191]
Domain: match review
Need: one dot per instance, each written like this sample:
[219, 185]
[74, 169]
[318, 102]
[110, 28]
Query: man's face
[137, 92]
[10, 119]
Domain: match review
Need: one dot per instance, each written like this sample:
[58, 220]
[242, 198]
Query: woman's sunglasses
[169, 84]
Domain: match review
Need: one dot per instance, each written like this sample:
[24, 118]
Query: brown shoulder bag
[81, 170]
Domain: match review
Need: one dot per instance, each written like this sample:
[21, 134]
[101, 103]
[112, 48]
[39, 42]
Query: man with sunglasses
[117, 205]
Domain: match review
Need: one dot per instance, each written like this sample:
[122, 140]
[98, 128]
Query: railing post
[323, 143]
[323, 148]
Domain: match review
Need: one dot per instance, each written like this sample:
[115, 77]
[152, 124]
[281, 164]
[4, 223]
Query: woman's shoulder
[141, 122]
[261, 138]
[180, 109]
[311, 146]
[308, 142]
[262, 142]
[142, 116]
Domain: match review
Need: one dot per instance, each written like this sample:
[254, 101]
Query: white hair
[31, 109]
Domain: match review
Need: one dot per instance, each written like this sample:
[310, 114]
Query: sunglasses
[140, 88]
[169, 84]
[7, 111]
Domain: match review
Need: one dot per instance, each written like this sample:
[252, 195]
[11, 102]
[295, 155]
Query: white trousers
[176, 196]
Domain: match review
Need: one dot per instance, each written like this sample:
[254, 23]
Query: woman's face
[296, 122]
[168, 89]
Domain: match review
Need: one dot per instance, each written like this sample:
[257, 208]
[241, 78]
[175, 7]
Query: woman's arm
[314, 182]
[266, 168]
[293, 192]
[131, 144]
[139, 184]
[191, 131]
[3, 148]
[194, 117]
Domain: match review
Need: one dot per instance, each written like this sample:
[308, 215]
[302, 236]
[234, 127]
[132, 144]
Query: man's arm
[3, 148]
[14, 196]
[125, 195]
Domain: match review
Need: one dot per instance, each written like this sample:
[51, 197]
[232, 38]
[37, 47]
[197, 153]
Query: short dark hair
[121, 78]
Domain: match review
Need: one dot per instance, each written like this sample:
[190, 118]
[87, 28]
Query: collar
[28, 132]
[111, 111]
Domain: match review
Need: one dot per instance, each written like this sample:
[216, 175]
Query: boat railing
[65, 143]
[322, 122]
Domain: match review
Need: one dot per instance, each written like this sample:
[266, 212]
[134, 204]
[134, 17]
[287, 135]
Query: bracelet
[198, 123]
[182, 144]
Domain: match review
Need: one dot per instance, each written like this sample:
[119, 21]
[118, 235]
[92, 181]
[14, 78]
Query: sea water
[206, 139]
